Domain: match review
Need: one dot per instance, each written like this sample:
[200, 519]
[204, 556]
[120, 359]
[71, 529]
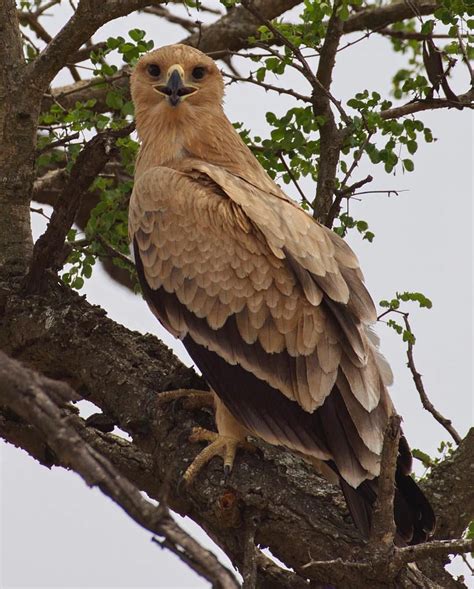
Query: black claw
[182, 486]
[227, 471]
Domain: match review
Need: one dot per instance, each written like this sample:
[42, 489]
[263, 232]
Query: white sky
[56, 532]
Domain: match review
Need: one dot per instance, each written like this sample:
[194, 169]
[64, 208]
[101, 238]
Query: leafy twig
[58, 143]
[293, 179]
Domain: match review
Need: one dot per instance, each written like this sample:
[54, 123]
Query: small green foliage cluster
[80, 261]
[293, 137]
[347, 222]
[371, 133]
[108, 221]
[445, 450]
[400, 136]
[393, 305]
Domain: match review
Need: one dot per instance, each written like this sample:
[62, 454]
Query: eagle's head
[176, 78]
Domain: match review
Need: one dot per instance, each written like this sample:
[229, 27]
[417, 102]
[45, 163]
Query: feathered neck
[169, 136]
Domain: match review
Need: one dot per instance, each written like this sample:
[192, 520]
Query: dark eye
[153, 70]
[198, 73]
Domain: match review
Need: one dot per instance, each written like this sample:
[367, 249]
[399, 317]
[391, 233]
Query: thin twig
[57, 143]
[163, 12]
[114, 253]
[357, 157]
[430, 549]
[388, 192]
[293, 178]
[250, 79]
[40, 212]
[417, 379]
[347, 192]
[464, 101]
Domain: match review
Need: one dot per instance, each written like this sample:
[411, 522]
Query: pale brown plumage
[263, 297]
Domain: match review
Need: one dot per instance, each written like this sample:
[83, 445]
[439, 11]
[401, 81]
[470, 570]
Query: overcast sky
[56, 532]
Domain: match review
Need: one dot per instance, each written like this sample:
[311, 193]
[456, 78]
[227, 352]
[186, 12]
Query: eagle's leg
[231, 436]
[192, 398]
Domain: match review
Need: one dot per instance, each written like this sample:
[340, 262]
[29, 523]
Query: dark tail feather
[422, 517]
[360, 505]
[414, 516]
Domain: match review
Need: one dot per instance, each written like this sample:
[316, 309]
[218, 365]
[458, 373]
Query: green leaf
[136, 34]
[409, 165]
[423, 457]
[77, 283]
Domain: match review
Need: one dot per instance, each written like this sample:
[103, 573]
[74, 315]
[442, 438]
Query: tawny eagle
[270, 304]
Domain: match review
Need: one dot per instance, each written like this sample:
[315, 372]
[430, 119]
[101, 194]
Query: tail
[413, 514]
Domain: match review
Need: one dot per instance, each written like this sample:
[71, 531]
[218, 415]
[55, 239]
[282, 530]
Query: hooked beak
[174, 88]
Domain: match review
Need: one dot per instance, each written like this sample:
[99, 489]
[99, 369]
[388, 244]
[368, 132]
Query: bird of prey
[270, 304]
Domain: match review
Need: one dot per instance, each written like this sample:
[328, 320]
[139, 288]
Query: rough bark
[19, 109]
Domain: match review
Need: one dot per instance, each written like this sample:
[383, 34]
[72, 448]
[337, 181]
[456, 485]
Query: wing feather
[260, 284]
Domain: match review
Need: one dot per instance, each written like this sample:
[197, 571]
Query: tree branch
[41, 403]
[464, 101]
[48, 250]
[331, 138]
[382, 16]
[383, 524]
[425, 401]
[60, 332]
[89, 16]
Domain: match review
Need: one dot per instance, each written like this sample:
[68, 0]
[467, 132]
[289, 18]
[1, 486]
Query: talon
[227, 471]
[223, 446]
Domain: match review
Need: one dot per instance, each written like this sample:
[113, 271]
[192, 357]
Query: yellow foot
[192, 399]
[223, 446]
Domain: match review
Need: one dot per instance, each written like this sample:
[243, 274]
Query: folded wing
[271, 306]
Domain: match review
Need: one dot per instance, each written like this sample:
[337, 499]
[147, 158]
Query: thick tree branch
[18, 119]
[382, 16]
[42, 403]
[383, 524]
[61, 332]
[464, 101]
[331, 138]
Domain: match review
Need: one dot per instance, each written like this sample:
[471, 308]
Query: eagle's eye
[154, 70]
[198, 72]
